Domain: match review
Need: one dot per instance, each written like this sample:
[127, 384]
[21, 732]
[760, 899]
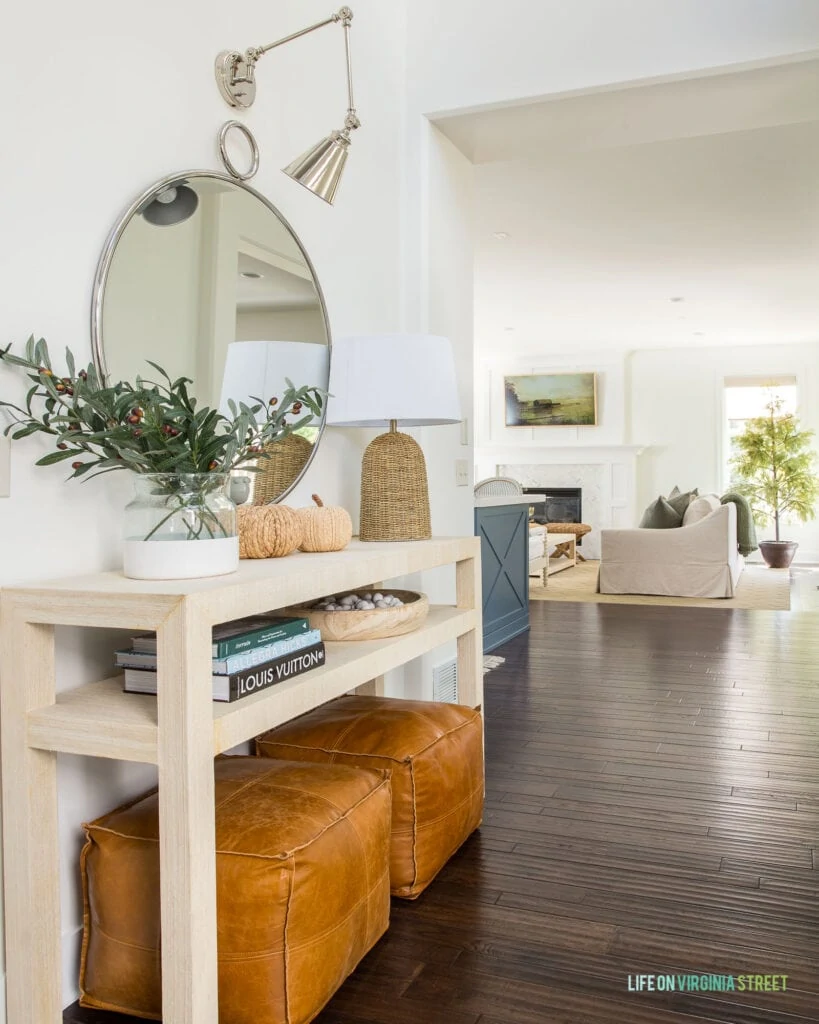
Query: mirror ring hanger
[230, 167]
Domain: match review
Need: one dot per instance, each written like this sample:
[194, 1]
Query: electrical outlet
[5, 467]
[461, 473]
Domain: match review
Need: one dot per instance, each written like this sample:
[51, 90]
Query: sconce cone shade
[321, 167]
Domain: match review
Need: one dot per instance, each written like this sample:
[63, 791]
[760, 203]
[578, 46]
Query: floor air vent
[445, 682]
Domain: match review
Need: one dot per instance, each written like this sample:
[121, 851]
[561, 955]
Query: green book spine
[258, 638]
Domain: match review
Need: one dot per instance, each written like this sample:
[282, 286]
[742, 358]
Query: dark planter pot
[778, 554]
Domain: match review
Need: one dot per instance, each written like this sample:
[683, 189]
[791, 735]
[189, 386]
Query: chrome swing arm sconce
[320, 168]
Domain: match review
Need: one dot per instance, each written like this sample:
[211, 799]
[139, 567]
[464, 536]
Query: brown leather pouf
[302, 891]
[435, 753]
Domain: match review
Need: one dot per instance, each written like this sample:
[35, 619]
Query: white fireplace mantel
[585, 453]
[606, 475]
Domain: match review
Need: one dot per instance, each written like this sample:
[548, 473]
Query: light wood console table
[181, 730]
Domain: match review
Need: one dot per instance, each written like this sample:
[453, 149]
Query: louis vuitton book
[241, 684]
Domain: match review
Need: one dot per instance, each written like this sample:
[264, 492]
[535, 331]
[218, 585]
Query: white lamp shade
[257, 369]
[409, 378]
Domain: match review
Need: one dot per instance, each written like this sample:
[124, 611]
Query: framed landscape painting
[551, 400]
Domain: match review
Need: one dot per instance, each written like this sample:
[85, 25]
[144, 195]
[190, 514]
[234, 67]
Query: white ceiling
[462, 53]
[637, 114]
[274, 290]
[705, 191]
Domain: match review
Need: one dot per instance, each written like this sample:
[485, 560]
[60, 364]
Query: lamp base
[394, 493]
[287, 457]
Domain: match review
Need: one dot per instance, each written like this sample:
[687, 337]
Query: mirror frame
[107, 256]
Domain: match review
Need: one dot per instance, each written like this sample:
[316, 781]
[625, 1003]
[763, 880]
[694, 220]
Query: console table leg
[187, 821]
[470, 645]
[372, 688]
[30, 831]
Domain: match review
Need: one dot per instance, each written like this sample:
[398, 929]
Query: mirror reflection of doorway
[201, 264]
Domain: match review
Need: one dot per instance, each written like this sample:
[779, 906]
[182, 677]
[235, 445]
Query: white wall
[80, 147]
[439, 300]
[448, 310]
[465, 55]
[676, 407]
[280, 325]
[449, 306]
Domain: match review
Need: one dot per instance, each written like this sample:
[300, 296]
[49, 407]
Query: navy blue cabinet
[504, 533]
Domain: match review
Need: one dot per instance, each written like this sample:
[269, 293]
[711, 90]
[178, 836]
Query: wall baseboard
[804, 559]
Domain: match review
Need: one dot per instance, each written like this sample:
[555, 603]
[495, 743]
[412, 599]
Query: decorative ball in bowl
[366, 614]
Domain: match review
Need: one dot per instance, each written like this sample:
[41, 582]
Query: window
[745, 399]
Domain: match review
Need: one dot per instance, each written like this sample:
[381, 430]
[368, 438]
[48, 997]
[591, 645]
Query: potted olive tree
[775, 468]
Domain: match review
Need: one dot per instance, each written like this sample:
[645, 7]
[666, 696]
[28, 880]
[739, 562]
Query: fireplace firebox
[562, 505]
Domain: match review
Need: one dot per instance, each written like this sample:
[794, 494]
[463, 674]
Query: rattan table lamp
[383, 381]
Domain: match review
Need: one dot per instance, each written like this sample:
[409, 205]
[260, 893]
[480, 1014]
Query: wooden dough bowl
[372, 623]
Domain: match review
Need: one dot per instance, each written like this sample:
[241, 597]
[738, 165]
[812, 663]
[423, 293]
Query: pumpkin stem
[317, 500]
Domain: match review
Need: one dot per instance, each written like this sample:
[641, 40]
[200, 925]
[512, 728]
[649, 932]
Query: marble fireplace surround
[607, 477]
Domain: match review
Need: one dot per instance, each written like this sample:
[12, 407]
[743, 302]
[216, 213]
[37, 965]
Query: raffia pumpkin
[268, 531]
[325, 527]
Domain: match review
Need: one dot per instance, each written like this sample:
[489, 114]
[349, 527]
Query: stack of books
[248, 655]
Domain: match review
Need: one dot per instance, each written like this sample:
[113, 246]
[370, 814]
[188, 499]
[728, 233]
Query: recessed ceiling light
[251, 275]
[500, 235]
[699, 334]
[678, 298]
[509, 328]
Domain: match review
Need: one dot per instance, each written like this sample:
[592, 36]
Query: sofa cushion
[699, 508]
[660, 515]
[680, 502]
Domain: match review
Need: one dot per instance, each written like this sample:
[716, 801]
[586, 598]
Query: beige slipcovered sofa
[697, 559]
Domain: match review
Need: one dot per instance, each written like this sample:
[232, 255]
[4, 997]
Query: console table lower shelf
[180, 730]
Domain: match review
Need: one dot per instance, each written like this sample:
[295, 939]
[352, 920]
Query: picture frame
[550, 400]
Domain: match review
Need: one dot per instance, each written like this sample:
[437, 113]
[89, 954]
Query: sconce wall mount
[320, 168]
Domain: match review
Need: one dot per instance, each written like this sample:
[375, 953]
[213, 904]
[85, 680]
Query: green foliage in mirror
[149, 426]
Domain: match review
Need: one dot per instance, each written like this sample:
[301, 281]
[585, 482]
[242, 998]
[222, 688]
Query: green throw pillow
[680, 502]
[661, 515]
[674, 491]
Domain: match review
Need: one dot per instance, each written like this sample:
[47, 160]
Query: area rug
[759, 587]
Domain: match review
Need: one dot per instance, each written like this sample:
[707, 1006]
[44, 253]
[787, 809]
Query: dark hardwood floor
[653, 808]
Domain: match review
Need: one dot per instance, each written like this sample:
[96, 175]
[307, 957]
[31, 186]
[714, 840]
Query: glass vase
[180, 526]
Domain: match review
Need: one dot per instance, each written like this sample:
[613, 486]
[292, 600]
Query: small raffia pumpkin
[325, 527]
[268, 531]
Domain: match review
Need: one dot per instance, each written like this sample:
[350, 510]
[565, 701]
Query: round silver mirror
[204, 276]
